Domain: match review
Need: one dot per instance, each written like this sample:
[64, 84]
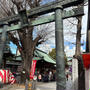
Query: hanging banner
[32, 71]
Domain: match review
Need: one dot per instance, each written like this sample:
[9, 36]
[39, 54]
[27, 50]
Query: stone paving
[52, 86]
[11, 87]
[47, 86]
[39, 86]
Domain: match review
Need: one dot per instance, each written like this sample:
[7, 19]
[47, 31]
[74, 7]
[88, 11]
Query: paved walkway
[12, 87]
[46, 86]
[52, 86]
[69, 85]
[39, 86]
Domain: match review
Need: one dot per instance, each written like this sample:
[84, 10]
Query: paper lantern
[86, 60]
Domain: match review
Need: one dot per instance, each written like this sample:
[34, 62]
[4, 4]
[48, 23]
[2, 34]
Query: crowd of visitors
[46, 76]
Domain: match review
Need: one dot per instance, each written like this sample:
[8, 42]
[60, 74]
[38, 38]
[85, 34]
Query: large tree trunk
[25, 74]
[78, 37]
[81, 73]
[27, 50]
[26, 53]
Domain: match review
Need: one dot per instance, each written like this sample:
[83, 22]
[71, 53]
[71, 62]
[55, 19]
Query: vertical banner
[32, 71]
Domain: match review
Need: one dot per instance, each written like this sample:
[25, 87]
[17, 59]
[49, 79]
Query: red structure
[86, 60]
[33, 69]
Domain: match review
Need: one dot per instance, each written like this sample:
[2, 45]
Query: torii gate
[60, 14]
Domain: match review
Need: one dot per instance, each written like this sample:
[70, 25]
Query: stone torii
[7, 24]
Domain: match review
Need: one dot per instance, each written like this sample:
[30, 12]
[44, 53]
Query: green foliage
[65, 57]
[53, 55]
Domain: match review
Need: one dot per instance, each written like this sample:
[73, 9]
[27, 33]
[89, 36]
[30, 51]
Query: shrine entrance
[7, 25]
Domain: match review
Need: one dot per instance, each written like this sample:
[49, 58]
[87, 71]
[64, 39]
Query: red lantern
[86, 60]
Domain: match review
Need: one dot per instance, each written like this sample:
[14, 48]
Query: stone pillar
[60, 62]
[75, 74]
[87, 79]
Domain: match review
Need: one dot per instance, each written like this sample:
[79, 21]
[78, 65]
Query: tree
[53, 55]
[25, 39]
[81, 72]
